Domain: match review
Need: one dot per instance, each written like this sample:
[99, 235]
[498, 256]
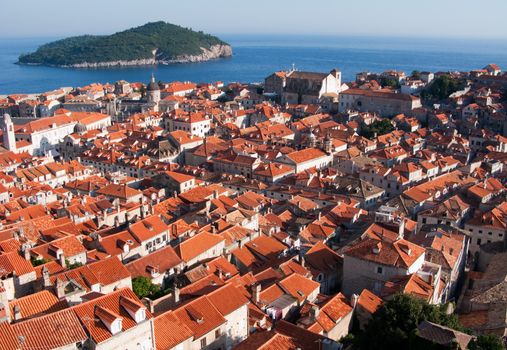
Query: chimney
[17, 313]
[60, 288]
[226, 254]
[314, 312]
[45, 277]
[354, 299]
[256, 293]
[62, 260]
[26, 251]
[301, 259]
[401, 228]
[176, 295]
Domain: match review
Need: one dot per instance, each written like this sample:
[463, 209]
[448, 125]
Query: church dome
[79, 128]
[153, 86]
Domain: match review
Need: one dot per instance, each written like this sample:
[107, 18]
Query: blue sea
[256, 56]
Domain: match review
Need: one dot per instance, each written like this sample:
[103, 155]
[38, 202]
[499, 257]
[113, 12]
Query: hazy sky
[423, 18]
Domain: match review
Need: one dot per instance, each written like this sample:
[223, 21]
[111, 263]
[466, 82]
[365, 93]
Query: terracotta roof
[369, 301]
[227, 299]
[170, 331]
[401, 253]
[284, 336]
[306, 155]
[104, 272]
[411, 284]
[198, 244]
[380, 94]
[321, 258]
[52, 331]
[13, 262]
[148, 228]
[43, 302]
[111, 303]
[120, 191]
[70, 246]
[8, 338]
[162, 260]
[331, 312]
[299, 286]
[200, 316]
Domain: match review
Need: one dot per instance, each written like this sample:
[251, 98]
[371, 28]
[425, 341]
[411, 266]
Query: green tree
[74, 265]
[143, 287]
[37, 262]
[170, 41]
[378, 127]
[395, 323]
[416, 74]
[503, 97]
[441, 87]
[390, 82]
[486, 342]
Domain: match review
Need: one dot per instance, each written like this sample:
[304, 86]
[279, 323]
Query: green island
[152, 43]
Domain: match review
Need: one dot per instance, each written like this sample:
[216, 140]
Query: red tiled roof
[200, 316]
[52, 331]
[163, 260]
[369, 301]
[36, 304]
[110, 302]
[170, 331]
[196, 245]
[401, 253]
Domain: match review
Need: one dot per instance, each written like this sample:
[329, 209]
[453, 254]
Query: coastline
[214, 52]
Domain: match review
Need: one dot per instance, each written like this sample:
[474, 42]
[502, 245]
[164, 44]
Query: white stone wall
[480, 235]
[140, 337]
[359, 274]
[237, 326]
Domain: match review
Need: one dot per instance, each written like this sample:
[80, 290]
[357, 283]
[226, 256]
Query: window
[379, 270]
[218, 333]
[490, 233]
[424, 220]
[203, 343]
[478, 241]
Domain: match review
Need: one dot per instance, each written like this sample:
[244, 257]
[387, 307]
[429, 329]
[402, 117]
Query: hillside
[152, 43]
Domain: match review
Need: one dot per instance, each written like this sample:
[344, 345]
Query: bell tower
[8, 133]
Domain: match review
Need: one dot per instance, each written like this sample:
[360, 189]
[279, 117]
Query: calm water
[255, 57]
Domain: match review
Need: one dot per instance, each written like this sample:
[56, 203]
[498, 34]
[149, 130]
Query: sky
[400, 18]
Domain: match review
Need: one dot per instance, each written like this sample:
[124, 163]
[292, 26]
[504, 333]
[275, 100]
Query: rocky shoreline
[214, 52]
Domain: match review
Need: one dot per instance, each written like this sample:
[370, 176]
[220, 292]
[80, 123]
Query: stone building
[296, 87]
[384, 103]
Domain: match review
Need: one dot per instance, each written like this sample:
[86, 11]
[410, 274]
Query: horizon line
[285, 34]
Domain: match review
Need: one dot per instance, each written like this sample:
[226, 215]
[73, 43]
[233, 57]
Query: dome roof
[153, 86]
[79, 128]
